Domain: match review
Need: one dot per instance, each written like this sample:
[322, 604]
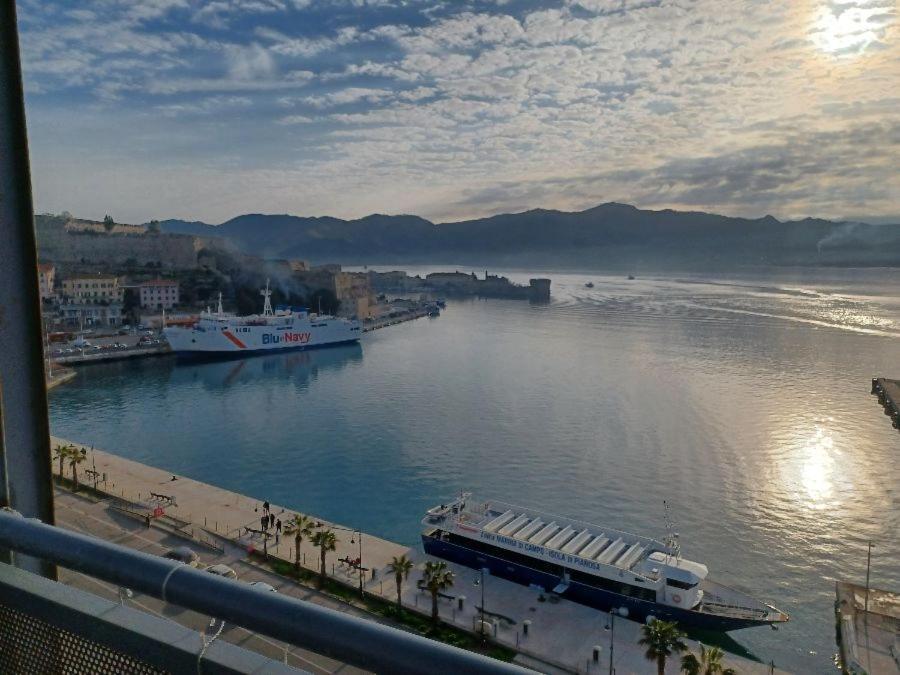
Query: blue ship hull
[638, 610]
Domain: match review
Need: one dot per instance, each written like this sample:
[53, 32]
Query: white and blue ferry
[220, 334]
[596, 566]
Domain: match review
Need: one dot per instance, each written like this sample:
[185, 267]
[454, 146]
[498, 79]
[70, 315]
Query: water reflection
[295, 367]
[818, 467]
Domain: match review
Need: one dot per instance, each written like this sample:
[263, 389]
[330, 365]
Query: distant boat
[589, 284]
[630, 277]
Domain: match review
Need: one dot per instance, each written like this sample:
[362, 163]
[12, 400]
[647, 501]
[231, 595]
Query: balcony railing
[350, 639]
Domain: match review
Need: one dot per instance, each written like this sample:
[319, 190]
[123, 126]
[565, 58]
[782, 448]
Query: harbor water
[743, 401]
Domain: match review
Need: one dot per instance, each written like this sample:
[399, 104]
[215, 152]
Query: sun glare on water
[848, 28]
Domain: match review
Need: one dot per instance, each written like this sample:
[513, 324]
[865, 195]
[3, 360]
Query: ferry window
[679, 584]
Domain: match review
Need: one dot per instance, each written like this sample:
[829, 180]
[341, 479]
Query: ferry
[221, 334]
[601, 567]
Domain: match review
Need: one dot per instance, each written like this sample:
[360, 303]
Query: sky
[459, 109]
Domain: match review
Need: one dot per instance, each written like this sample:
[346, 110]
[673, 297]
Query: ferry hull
[225, 340]
[638, 610]
[188, 355]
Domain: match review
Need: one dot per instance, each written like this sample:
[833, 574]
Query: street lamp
[611, 627]
[480, 582]
[357, 533]
[868, 569]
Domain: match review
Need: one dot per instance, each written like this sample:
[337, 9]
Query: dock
[888, 393]
[869, 639]
[549, 634]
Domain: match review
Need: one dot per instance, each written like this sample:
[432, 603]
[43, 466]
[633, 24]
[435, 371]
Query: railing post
[25, 475]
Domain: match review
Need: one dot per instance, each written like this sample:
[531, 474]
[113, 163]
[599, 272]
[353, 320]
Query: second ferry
[219, 333]
[596, 566]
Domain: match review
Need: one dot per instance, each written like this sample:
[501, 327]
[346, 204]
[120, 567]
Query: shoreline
[562, 634]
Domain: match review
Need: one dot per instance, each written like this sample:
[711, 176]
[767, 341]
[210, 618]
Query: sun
[848, 28]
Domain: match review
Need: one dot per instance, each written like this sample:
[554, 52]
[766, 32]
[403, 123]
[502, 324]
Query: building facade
[92, 290]
[76, 314]
[159, 294]
[47, 279]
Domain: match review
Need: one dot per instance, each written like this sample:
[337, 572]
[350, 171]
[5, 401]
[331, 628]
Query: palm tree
[303, 526]
[662, 639]
[400, 566]
[709, 663]
[61, 452]
[437, 578]
[76, 457]
[326, 541]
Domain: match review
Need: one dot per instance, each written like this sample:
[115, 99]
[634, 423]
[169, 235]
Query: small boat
[589, 284]
[630, 277]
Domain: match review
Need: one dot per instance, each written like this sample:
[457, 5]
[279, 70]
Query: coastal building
[90, 314]
[354, 290]
[47, 279]
[92, 289]
[159, 294]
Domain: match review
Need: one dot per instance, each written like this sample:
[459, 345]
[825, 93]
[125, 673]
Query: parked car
[262, 586]
[222, 571]
[184, 555]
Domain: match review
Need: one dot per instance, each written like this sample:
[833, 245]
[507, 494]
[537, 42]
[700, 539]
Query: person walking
[278, 525]
[266, 507]
[264, 522]
[272, 520]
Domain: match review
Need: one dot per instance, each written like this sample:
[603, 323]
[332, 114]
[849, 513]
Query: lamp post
[480, 582]
[868, 570]
[357, 533]
[611, 627]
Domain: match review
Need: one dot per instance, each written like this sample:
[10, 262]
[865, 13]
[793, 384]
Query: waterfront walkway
[227, 514]
[562, 634]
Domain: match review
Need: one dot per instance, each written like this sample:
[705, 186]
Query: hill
[609, 235]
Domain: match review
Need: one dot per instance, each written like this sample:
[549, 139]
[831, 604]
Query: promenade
[562, 635]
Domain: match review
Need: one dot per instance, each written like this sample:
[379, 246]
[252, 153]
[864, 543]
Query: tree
[326, 541]
[62, 452]
[108, 222]
[303, 526]
[662, 639]
[76, 457]
[709, 663]
[153, 227]
[437, 578]
[400, 566]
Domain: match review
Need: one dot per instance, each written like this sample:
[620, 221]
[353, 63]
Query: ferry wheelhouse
[596, 566]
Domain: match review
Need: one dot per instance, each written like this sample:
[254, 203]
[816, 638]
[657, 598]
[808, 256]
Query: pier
[888, 393]
[868, 626]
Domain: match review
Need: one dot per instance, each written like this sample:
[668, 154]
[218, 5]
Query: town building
[159, 294]
[354, 290]
[98, 289]
[47, 279]
[89, 314]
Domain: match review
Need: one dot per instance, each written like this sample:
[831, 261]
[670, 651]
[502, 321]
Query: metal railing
[356, 641]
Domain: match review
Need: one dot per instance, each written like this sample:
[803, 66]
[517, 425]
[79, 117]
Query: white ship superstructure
[282, 328]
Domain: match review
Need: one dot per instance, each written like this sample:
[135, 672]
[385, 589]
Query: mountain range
[610, 235]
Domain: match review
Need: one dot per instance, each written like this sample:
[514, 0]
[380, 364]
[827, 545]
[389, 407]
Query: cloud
[250, 63]
[457, 109]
